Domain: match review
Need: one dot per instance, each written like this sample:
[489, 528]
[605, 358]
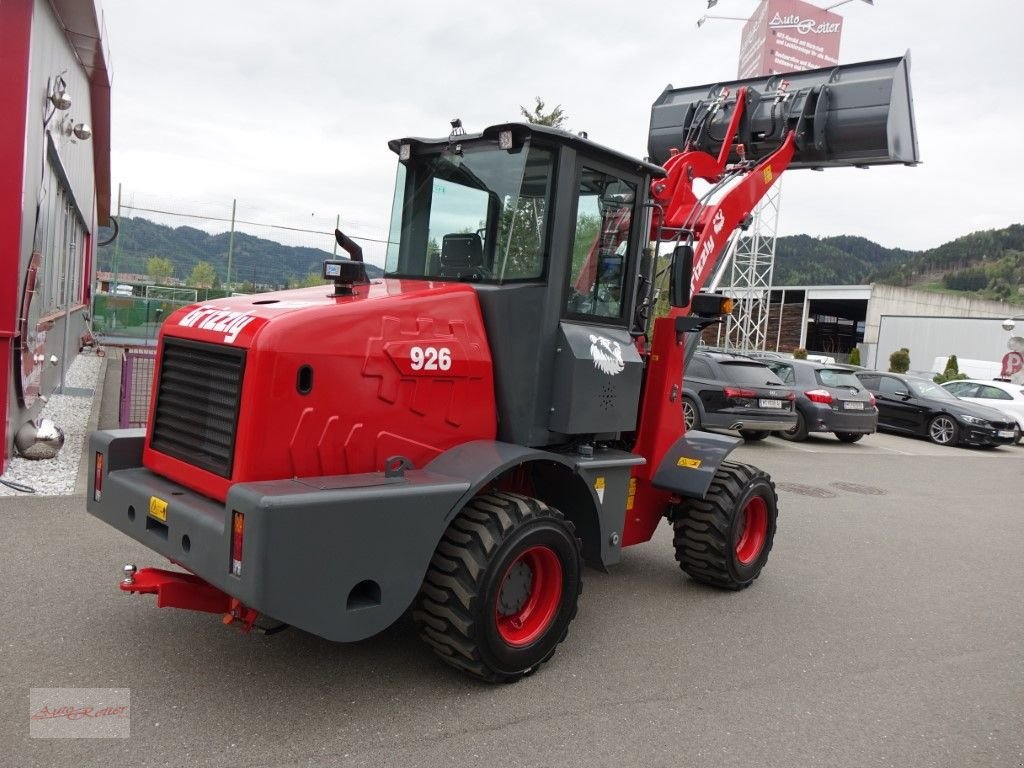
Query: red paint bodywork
[367, 402]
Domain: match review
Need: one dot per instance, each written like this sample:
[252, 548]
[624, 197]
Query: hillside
[254, 259]
[987, 264]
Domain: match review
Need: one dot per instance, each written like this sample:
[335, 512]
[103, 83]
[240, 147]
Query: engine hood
[240, 320]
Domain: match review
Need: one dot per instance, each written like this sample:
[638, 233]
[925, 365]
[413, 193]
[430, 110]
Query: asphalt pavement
[885, 631]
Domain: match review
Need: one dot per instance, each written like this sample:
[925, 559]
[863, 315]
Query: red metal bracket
[174, 589]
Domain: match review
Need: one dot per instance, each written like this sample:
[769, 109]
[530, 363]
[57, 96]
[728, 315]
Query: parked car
[919, 406]
[729, 391]
[829, 398]
[1001, 395]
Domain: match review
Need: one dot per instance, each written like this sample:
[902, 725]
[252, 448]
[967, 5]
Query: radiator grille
[197, 403]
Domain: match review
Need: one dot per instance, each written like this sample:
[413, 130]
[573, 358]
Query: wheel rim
[529, 596]
[942, 430]
[753, 531]
[687, 415]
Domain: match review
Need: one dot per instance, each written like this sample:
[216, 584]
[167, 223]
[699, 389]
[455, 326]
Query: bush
[854, 356]
[952, 372]
[899, 361]
[800, 353]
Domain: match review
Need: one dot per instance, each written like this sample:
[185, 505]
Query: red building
[54, 192]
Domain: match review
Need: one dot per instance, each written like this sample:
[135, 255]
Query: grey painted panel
[305, 548]
[690, 464]
[598, 374]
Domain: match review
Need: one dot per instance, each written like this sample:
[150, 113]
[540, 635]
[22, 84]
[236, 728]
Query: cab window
[600, 251]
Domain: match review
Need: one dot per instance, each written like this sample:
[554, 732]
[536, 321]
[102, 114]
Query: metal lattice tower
[753, 263]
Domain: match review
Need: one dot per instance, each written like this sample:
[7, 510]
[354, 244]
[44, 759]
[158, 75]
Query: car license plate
[853, 405]
[770, 403]
[158, 509]
[1005, 433]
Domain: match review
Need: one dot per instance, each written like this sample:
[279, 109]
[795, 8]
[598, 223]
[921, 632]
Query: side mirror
[680, 275]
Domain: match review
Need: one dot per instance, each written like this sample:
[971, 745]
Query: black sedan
[729, 391]
[829, 398]
[921, 407]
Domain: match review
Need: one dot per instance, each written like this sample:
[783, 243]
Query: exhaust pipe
[849, 115]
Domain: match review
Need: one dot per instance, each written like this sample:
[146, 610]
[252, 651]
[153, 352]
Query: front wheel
[724, 539]
[1016, 435]
[502, 587]
[943, 430]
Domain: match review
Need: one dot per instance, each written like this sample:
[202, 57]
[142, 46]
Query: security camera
[1008, 324]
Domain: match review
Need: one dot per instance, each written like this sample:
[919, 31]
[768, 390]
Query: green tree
[159, 269]
[203, 275]
[952, 372]
[899, 361]
[799, 353]
[854, 356]
[555, 118]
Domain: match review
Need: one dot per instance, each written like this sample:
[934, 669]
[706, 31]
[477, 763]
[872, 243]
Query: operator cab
[548, 227]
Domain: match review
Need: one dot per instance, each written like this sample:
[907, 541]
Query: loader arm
[854, 115]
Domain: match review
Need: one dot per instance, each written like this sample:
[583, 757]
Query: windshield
[478, 214]
[750, 373]
[832, 377]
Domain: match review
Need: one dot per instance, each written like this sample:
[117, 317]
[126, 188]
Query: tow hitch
[174, 589]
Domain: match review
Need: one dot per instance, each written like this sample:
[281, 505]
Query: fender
[591, 491]
[688, 467]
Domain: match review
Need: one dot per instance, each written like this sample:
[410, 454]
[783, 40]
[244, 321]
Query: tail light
[819, 396]
[874, 402]
[734, 393]
[97, 479]
[237, 534]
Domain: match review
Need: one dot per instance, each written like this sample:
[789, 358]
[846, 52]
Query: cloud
[288, 107]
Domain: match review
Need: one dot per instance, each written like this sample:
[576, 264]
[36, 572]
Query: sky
[288, 107]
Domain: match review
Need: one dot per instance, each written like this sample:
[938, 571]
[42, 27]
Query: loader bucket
[848, 115]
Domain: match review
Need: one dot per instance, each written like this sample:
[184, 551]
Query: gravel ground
[70, 412]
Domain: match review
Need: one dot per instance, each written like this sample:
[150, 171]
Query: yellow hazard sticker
[768, 176]
[688, 463]
[631, 498]
[599, 487]
[158, 508]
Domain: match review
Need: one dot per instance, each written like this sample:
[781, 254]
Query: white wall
[930, 337]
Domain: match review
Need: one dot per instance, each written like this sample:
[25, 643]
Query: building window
[61, 245]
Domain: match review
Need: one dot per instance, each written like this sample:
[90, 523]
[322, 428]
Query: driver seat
[462, 255]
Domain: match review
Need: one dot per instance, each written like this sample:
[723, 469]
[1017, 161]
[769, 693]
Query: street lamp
[704, 18]
[844, 2]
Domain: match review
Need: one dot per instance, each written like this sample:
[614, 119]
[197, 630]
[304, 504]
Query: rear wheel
[502, 587]
[848, 437]
[753, 435]
[724, 539]
[799, 431]
[943, 430]
[691, 414]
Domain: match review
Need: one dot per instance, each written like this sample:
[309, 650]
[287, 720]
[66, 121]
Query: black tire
[848, 437]
[943, 430]
[1016, 435]
[459, 610]
[712, 540]
[691, 414]
[753, 435]
[799, 431]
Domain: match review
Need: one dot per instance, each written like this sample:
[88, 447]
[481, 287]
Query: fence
[137, 366]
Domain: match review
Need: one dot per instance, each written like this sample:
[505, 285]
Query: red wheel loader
[459, 437]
